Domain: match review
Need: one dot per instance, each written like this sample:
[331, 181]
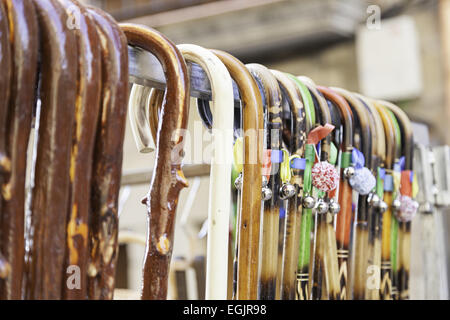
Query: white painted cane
[220, 183]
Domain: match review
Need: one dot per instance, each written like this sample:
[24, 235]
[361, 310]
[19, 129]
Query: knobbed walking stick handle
[24, 50]
[168, 178]
[249, 228]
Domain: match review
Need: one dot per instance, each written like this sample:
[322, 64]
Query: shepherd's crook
[168, 178]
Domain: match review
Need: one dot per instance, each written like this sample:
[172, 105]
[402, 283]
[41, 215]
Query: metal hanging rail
[146, 70]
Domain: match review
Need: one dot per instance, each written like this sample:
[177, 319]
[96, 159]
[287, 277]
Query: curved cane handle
[343, 226]
[107, 166]
[51, 179]
[168, 178]
[404, 235]
[386, 263]
[389, 134]
[270, 228]
[378, 132]
[248, 254]
[346, 115]
[298, 111]
[325, 115]
[298, 148]
[220, 185]
[87, 110]
[406, 132]
[361, 113]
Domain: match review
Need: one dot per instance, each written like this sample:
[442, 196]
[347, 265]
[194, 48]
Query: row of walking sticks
[322, 177]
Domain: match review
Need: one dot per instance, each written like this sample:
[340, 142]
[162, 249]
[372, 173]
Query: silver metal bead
[238, 182]
[309, 202]
[427, 207]
[334, 207]
[287, 191]
[266, 194]
[349, 172]
[265, 182]
[383, 207]
[396, 204]
[321, 207]
[374, 200]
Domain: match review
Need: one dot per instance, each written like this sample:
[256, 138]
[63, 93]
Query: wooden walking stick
[324, 253]
[107, 166]
[273, 191]
[376, 207]
[394, 206]
[304, 264]
[5, 268]
[87, 109]
[363, 188]
[220, 185]
[408, 206]
[327, 248]
[50, 193]
[5, 83]
[249, 220]
[391, 146]
[168, 178]
[297, 163]
[24, 50]
[326, 233]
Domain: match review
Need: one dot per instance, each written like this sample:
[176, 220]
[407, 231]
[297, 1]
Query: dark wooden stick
[86, 118]
[5, 84]
[6, 61]
[249, 221]
[107, 165]
[24, 44]
[51, 179]
[168, 178]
